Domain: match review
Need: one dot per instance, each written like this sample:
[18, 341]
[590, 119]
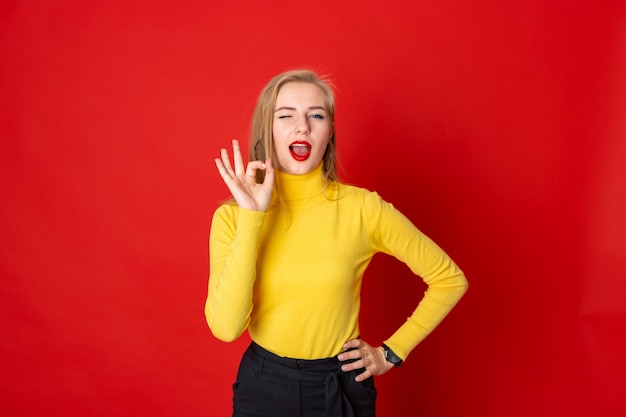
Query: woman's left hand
[368, 357]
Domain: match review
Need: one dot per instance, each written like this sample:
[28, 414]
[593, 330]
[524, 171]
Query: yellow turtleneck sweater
[292, 275]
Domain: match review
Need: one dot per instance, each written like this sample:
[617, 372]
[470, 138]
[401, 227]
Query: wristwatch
[392, 357]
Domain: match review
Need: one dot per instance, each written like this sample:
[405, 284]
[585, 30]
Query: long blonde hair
[261, 139]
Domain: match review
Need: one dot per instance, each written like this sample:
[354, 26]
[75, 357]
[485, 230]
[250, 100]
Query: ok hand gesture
[243, 185]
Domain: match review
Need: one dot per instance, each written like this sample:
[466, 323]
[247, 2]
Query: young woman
[287, 255]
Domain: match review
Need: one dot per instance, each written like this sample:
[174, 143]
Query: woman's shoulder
[358, 193]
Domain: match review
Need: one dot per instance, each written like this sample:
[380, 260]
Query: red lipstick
[300, 150]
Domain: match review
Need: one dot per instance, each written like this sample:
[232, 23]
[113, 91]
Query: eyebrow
[293, 108]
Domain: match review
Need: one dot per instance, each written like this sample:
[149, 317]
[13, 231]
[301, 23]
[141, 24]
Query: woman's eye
[284, 116]
[316, 116]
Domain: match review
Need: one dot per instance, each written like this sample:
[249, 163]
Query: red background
[497, 127]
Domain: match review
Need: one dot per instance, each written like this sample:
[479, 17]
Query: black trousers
[272, 386]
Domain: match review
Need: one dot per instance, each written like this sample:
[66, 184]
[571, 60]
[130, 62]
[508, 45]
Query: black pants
[272, 386]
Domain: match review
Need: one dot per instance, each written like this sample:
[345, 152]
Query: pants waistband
[324, 365]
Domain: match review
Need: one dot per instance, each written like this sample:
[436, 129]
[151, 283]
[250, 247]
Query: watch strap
[392, 357]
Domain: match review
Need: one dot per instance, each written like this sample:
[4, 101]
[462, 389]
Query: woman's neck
[292, 187]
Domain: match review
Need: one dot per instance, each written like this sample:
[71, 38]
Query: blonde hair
[261, 139]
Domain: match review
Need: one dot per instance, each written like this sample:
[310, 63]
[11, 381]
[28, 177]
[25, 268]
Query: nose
[302, 126]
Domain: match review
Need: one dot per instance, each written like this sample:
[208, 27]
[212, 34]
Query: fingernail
[340, 357]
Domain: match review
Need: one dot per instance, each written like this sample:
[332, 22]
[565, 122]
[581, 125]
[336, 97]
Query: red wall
[498, 127]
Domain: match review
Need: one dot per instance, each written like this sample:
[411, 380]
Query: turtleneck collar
[293, 188]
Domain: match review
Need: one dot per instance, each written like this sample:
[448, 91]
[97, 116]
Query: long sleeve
[292, 276]
[233, 248]
[394, 234]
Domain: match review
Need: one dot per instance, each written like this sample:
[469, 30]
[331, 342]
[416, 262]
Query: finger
[360, 364]
[253, 167]
[356, 356]
[351, 354]
[269, 173]
[354, 343]
[226, 162]
[222, 170]
[363, 376]
[238, 160]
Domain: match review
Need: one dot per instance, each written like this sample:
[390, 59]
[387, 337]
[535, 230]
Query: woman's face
[301, 128]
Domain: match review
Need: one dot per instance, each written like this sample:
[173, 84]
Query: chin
[298, 169]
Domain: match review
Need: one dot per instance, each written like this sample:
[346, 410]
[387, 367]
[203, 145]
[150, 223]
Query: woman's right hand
[242, 184]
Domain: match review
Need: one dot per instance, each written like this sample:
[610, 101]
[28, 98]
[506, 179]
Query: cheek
[322, 149]
[279, 132]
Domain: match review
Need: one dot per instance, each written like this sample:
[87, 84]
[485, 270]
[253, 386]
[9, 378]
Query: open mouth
[300, 150]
